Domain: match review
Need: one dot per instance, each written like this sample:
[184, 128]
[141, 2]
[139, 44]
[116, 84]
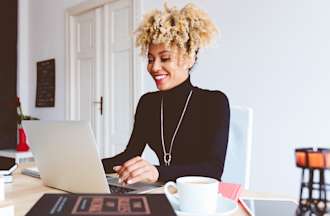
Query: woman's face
[168, 66]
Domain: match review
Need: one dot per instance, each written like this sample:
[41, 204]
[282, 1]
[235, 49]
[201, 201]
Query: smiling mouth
[160, 77]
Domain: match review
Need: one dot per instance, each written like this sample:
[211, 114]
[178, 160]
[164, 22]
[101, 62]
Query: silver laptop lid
[66, 155]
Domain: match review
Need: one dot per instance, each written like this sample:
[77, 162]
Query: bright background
[273, 56]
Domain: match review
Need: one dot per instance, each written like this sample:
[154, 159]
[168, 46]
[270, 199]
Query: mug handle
[173, 198]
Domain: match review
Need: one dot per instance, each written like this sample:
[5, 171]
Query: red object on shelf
[22, 145]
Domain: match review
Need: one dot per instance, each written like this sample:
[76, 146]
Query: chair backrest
[149, 155]
[238, 157]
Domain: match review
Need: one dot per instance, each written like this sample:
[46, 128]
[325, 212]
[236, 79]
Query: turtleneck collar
[181, 89]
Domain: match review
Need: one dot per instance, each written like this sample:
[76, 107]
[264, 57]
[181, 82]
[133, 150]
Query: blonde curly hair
[189, 28]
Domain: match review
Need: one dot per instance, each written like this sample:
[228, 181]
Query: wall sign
[45, 96]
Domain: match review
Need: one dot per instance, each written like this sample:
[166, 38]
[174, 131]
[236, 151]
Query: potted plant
[22, 145]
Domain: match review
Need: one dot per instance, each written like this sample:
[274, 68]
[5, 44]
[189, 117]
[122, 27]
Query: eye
[165, 59]
[150, 60]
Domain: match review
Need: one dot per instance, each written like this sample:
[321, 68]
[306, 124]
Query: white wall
[47, 40]
[23, 57]
[273, 56]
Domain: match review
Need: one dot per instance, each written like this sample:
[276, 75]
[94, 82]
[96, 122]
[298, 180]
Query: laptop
[66, 156]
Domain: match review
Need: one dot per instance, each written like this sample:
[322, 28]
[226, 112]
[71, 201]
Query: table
[25, 191]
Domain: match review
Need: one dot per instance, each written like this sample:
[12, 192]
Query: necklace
[168, 156]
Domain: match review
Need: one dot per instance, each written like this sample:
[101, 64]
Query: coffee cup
[195, 194]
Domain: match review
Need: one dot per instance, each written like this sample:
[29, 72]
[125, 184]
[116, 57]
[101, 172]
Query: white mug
[195, 194]
[2, 188]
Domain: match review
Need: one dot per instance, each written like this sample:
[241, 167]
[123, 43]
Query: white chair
[149, 155]
[238, 158]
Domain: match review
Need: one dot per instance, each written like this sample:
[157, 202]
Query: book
[102, 204]
[7, 165]
[230, 190]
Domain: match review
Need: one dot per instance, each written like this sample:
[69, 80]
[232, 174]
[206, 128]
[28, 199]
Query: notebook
[102, 204]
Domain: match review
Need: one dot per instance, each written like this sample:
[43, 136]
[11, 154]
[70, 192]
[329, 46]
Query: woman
[186, 126]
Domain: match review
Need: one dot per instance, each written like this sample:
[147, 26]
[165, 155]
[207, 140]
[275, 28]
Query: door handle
[101, 104]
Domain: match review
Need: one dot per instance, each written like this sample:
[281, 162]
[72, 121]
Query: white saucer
[225, 207]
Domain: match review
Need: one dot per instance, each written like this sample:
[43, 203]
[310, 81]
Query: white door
[87, 61]
[101, 66]
[119, 75]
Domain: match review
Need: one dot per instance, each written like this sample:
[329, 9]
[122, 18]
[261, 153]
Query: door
[100, 55]
[88, 96]
[119, 75]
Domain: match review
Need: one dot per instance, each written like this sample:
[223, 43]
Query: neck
[183, 87]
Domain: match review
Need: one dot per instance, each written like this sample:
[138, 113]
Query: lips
[160, 78]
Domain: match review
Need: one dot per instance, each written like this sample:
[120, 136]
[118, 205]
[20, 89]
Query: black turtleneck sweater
[200, 145]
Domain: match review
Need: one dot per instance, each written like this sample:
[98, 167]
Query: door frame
[70, 90]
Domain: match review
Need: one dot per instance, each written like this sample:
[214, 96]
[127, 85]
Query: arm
[215, 135]
[136, 142]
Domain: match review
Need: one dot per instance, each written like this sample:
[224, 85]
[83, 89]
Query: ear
[190, 61]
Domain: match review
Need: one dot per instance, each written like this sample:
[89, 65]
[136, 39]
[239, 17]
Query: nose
[156, 66]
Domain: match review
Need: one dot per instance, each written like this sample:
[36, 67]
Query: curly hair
[189, 28]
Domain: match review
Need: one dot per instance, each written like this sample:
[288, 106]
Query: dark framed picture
[45, 96]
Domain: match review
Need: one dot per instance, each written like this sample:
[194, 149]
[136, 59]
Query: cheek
[178, 71]
[149, 67]
[171, 68]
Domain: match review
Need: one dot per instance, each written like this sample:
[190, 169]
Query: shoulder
[215, 103]
[147, 100]
[149, 97]
[212, 97]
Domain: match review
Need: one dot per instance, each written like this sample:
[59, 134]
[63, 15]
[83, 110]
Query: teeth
[159, 77]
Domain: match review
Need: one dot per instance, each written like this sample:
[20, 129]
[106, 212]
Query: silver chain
[168, 156]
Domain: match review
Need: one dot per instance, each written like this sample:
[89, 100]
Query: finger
[129, 171]
[127, 165]
[140, 171]
[132, 161]
[138, 178]
[117, 168]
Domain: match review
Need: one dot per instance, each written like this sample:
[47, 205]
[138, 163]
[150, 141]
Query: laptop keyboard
[115, 188]
[119, 190]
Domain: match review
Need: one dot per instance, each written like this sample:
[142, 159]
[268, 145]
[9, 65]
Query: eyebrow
[165, 51]
[161, 52]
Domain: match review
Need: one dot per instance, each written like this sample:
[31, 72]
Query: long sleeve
[136, 142]
[213, 148]
[201, 142]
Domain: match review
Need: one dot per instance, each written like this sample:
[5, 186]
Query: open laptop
[66, 156]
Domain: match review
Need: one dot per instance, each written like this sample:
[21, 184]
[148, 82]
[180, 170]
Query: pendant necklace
[168, 156]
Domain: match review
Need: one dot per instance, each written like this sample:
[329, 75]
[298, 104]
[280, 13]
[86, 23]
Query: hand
[136, 170]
